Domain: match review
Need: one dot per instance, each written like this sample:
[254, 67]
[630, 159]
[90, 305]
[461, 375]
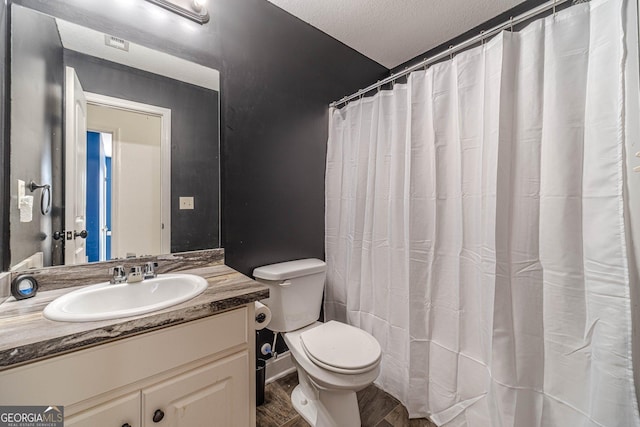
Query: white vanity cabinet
[194, 374]
[213, 395]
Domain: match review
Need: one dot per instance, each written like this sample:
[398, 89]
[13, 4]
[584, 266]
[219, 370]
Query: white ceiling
[91, 42]
[392, 32]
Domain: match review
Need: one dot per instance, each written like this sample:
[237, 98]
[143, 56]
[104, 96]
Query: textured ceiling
[392, 32]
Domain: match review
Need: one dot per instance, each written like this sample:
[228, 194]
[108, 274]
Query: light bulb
[198, 5]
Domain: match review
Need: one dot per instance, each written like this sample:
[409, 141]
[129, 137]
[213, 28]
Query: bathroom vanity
[190, 364]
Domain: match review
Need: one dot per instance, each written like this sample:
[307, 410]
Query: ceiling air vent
[116, 42]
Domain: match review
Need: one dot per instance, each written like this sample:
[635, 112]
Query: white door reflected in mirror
[113, 142]
[76, 159]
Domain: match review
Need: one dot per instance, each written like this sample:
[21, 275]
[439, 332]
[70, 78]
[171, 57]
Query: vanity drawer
[74, 377]
[118, 412]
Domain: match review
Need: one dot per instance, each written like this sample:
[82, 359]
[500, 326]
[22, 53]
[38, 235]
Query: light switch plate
[21, 190]
[186, 203]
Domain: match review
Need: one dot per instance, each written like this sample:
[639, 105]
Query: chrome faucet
[150, 270]
[118, 275]
[137, 274]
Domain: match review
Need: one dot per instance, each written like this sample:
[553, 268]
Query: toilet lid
[341, 348]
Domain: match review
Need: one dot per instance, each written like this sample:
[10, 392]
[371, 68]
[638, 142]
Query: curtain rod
[550, 5]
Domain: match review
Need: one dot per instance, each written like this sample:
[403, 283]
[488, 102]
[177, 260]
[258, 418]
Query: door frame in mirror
[165, 144]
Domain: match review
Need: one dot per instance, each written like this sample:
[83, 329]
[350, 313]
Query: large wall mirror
[114, 147]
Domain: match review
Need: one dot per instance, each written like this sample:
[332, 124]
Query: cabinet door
[217, 394]
[114, 413]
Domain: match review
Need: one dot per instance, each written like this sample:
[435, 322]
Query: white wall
[136, 161]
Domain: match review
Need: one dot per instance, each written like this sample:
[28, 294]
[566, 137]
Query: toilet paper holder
[46, 189]
[262, 315]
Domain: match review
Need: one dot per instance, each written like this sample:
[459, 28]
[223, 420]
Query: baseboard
[279, 367]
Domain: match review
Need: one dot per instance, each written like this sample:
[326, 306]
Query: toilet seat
[341, 348]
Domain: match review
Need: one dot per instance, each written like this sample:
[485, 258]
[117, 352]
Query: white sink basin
[106, 301]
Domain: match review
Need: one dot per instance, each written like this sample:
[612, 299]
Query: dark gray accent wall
[278, 75]
[194, 140]
[36, 127]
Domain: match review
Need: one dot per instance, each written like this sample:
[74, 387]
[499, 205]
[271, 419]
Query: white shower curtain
[475, 226]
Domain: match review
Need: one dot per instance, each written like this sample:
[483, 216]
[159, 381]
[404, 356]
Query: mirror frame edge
[5, 147]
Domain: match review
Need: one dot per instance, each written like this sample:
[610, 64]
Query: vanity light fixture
[194, 10]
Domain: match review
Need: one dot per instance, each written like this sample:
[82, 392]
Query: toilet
[334, 360]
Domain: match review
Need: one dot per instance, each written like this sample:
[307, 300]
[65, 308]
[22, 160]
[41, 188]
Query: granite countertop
[26, 335]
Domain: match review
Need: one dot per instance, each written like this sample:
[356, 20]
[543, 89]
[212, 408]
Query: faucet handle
[118, 275]
[150, 270]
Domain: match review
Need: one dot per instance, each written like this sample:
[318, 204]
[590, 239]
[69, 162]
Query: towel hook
[46, 189]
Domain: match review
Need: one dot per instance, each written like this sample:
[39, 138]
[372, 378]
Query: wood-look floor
[377, 408]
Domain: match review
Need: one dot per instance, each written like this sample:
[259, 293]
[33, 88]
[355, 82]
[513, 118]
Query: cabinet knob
[158, 416]
[126, 425]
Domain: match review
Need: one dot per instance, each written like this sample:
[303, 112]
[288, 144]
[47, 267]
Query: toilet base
[325, 408]
[305, 407]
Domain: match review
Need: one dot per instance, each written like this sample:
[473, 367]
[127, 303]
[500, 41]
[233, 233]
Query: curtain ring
[554, 9]
[482, 37]
[425, 64]
[451, 53]
[511, 23]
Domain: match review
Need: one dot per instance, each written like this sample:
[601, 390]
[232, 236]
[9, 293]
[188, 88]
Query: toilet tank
[295, 292]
